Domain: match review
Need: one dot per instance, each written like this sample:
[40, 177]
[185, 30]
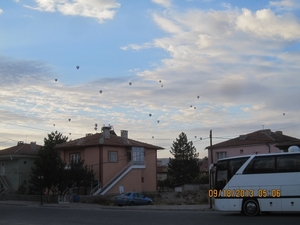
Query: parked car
[132, 198]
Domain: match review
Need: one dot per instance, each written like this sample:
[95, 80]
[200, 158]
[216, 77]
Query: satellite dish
[294, 148]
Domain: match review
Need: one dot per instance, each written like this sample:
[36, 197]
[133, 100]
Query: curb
[87, 206]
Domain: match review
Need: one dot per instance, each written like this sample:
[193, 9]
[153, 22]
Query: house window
[241, 151]
[74, 157]
[112, 156]
[221, 155]
[138, 155]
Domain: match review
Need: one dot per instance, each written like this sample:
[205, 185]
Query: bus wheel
[251, 207]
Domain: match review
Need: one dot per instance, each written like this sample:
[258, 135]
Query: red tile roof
[21, 149]
[257, 137]
[98, 139]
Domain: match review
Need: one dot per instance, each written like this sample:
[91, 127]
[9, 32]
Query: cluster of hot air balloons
[130, 83]
[77, 67]
[160, 83]
[191, 106]
[150, 114]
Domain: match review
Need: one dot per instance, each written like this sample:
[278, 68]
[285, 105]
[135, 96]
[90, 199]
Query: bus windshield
[225, 169]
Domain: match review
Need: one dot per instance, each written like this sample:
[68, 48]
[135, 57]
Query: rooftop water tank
[294, 149]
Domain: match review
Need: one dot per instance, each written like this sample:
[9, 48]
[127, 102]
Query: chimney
[106, 131]
[124, 134]
[243, 137]
[278, 132]
[33, 146]
[266, 131]
[20, 143]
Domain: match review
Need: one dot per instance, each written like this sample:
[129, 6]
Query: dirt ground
[180, 198]
[159, 198]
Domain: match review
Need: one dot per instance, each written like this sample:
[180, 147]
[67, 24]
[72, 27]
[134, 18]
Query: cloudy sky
[154, 67]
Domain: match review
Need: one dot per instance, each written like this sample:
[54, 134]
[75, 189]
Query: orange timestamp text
[241, 193]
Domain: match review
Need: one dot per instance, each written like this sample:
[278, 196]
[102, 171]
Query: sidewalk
[90, 206]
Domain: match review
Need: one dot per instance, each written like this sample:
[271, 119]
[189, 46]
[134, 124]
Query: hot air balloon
[150, 114]
[55, 79]
[77, 67]
[70, 133]
[157, 121]
[159, 81]
[54, 125]
[130, 83]
[162, 85]
[191, 106]
[69, 120]
[284, 114]
[198, 96]
[194, 107]
[100, 91]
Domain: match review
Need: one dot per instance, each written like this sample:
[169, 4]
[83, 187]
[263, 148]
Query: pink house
[258, 142]
[119, 163]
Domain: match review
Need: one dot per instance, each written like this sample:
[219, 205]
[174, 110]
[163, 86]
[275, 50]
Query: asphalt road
[26, 215]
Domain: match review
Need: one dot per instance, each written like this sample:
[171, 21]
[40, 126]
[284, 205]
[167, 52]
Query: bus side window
[264, 164]
[288, 163]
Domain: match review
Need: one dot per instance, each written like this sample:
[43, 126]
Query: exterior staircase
[119, 176]
[5, 185]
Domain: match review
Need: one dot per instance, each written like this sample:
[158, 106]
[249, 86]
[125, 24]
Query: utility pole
[210, 172]
[211, 152]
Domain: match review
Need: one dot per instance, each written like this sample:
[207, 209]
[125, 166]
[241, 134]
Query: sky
[154, 67]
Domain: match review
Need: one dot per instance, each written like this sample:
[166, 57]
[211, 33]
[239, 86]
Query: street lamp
[40, 178]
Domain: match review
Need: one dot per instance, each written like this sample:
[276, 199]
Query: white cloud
[165, 3]
[265, 24]
[98, 9]
[228, 61]
[285, 4]
[167, 24]
[1, 11]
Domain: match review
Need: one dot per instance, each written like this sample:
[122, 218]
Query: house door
[2, 168]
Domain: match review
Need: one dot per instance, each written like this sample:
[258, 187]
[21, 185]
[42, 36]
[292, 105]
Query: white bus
[258, 183]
